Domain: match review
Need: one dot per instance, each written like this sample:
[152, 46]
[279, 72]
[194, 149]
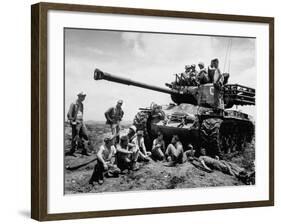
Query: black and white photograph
[157, 111]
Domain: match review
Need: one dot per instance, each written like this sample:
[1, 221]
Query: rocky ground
[152, 175]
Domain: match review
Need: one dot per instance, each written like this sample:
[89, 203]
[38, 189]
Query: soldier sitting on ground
[131, 133]
[158, 148]
[105, 162]
[174, 152]
[190, 152]
[138, 142]
[127, 155]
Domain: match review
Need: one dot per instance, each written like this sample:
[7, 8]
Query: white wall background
[15, 111]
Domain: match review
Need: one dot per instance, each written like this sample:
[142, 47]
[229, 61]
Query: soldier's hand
[105, 166]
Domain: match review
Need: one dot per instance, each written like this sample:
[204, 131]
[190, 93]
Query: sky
[151, 58]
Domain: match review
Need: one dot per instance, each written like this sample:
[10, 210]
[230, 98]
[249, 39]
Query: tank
[200, 115]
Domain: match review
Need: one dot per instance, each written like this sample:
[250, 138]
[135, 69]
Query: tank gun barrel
[99, 75]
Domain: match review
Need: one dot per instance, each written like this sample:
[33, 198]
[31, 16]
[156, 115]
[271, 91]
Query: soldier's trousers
[115, 130]
[79, 132]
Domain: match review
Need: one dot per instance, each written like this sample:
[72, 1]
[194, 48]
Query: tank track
[210, 137]
[221, 137]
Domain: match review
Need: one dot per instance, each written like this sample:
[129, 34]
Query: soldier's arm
[70, 112]
[205, 166]
[99, 156]
[143, 146]
[107, 114]
[119, 149]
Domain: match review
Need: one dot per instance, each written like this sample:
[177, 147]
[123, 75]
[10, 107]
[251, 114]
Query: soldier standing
[113, 117]
[79, 130]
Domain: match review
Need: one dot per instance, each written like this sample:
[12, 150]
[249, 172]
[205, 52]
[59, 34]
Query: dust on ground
[151, 176]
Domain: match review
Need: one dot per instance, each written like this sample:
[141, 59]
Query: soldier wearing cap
[113, 117]
[79, 130]
[105, 162]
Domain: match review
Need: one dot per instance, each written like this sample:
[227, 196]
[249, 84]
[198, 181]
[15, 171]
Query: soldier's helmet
[201, 64]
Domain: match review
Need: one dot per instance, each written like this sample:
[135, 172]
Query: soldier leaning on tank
[202, 77]
[79, 130]
[113, 117]
[157, 113]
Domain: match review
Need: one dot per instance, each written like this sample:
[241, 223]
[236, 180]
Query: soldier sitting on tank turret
[186, 75]
[202, 77]
[193, 75]
[215, 76]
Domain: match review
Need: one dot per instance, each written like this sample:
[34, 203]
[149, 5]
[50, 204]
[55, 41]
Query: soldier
[138, 142]
[190, 152]
[215, 74]
[127, 155]
[157, 113]
[174, 152]
[132, 133]
[79, 130]
[113, 117]
[105, 162]
[202, 77]
[232, 169]
[193, 75]
[158, 148]
[186, 75]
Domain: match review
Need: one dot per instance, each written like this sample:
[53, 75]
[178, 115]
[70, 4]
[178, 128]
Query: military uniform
[113, 117]
[79, 130]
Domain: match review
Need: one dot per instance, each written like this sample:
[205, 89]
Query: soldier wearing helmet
[193, 75]
[202, 77]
